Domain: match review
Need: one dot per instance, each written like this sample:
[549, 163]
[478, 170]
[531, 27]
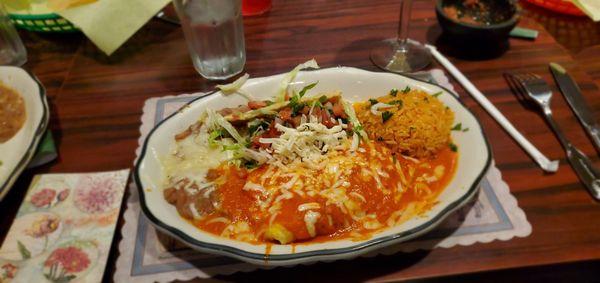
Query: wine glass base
[392, 56]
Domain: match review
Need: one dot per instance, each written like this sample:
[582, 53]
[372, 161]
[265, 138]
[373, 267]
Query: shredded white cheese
[272, 218]
[306, 141]
[249, 186]
[414, 160]
[194, 211]
[375, 108]
[308, 206]
[208, 191]
[372, 224]
[427, 178]
[218, 220]
[439, 171]
[355, 141]
[359, 196]
[310, 219]
[261, 156]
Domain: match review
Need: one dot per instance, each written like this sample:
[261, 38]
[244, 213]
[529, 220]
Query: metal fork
[534, 88]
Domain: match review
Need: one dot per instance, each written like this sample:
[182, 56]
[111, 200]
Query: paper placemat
[148, 255]
[64, 228]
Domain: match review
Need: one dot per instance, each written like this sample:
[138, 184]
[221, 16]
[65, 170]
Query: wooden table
[96, 104]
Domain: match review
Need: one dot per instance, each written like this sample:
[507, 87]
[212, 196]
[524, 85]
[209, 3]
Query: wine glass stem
[404, 22]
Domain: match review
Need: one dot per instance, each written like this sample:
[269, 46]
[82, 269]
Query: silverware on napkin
[537, 90]
[573, 95]
[546, 164]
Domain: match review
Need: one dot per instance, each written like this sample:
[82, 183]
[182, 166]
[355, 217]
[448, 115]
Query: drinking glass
[214, 34]
[12, 51]
[401, 55]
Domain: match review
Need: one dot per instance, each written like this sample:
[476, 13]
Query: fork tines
[531, 86]
[516, 82]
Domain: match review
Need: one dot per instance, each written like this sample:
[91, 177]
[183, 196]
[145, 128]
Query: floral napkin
[109, 23]
[64, 228]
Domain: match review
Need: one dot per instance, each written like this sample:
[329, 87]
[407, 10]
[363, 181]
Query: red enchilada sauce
[240, 205]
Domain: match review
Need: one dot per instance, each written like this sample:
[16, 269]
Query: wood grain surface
[97, 103]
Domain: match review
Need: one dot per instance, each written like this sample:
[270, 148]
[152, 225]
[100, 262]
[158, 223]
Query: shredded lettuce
[307, 88]
[232, 147]
[235, 87]
[212, 138]
[236, 148]
[241, 155]
[266, 112]
[257, 126]
[357, 127]
[275, 107]
[215, 120]
[289, 77]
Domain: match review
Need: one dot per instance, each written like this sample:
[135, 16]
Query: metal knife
[573, 95]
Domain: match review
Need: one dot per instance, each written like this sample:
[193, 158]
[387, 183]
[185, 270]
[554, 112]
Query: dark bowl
[496, 32]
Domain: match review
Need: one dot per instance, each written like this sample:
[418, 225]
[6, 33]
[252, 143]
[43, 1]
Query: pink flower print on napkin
[64, 262]
[96, 194]
[64, 194]
[43, 198]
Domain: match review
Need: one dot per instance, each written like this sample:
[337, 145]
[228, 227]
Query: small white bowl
[17, 152]
[474, 160]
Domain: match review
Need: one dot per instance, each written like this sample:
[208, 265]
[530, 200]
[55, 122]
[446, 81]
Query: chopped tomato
[296, 121]
[317, 112]
[333, 99]
[256, 104]
[338, 110]
[272, 132]
[286, 114]
[326, 119]
[257, 144]
[305, 110]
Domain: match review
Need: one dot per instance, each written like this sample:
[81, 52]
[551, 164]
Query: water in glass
[12, 51]
[214, 33]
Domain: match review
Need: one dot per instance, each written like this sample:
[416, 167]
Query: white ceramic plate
[16, 153]
[355, 84]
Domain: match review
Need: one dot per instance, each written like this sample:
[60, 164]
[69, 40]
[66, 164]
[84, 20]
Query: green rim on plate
[43, 23]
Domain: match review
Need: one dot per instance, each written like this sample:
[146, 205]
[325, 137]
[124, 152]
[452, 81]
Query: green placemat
[46, 151]
[43, 23]
[36, 16]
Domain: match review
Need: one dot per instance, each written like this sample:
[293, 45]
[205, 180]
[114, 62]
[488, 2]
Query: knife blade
[572, 94]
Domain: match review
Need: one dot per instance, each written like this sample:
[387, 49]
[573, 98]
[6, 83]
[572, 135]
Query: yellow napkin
[109, 23]
[57, 5]
[590, 7]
